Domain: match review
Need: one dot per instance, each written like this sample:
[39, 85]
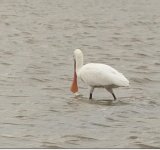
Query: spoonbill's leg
[110, 90]
[114, 96]
[91, 91]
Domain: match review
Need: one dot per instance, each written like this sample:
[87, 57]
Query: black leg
[110, 90]
[114, 96]
[91, 91]
[90, 96]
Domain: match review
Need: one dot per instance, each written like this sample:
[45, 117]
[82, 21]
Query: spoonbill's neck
[79, 62]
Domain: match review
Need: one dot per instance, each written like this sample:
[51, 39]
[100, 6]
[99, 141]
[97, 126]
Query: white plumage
[97, 75]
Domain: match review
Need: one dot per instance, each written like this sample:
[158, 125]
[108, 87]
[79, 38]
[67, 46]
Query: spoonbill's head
[77, 53]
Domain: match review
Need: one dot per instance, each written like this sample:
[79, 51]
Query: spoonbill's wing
[95, 74]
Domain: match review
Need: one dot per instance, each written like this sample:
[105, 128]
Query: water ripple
[37, 42]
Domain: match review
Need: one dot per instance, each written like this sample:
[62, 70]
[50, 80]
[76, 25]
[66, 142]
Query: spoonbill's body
[96, 75]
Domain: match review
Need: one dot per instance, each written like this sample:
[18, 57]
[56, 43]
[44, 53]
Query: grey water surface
[37, 39]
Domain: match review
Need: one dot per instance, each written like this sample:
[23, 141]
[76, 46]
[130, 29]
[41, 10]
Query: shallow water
[37, 40]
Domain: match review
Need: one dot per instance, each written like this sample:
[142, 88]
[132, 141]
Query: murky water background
[37, 38]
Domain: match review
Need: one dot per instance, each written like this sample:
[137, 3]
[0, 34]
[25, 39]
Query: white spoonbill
[96, 75]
